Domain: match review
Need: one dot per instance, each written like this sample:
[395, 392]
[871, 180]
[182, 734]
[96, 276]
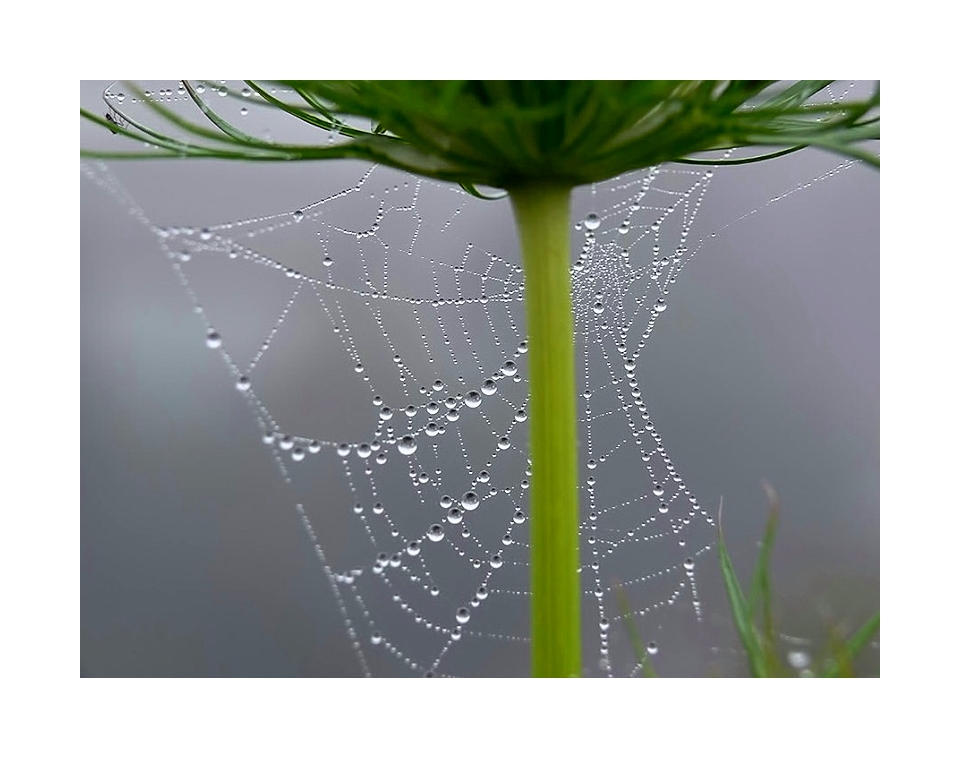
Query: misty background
[765, 367]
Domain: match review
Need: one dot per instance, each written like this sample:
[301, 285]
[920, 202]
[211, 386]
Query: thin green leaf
[472, 189]
[741, 610]
[855, 644]
[739, 161]
[760, 585]
[222, 124]
[175, 119]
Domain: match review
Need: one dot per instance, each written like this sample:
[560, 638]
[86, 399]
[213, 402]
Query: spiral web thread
[406, 459]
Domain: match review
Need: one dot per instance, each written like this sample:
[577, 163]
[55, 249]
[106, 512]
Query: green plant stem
[542, 215]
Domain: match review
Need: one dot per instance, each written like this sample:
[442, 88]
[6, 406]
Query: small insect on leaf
[116, 120]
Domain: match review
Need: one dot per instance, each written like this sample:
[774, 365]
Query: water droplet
[520, 416]
[243, 383]
[413, 548]
[630, 364]
[496, 561]
[658, 490]
[689, 564]
[489, 387]
[407, 445]
[519, 517]
[214, 340]
[410, 410]
[652, 648]
[473, 399]
[660, 306]
[592, 222]
[799, 659]
[454, 515]
[435, 533]
[298, 454]
[376, 638]
[363, 450]
[483, 477]
[509, 368]
[463, 615]
[522, 347]
[433, 408]
[314, 447]
[591, 464]
[604, 624]
[503, 443]
[386, 413]
[343, 450]
[470, 501]
[598, 307]
[432, 430]
[298, 216]
[438, 386]
[286, 442]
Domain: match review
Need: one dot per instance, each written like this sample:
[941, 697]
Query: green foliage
[757, 635]
[753, 618]
[512, 133]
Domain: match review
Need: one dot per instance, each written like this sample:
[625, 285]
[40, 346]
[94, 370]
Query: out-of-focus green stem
[542, 215]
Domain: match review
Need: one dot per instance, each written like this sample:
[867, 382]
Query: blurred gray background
[764, 367]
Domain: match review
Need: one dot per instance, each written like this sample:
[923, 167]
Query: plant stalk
[542, 214]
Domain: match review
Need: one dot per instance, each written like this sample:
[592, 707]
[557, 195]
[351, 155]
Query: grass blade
[854, 645]
[760, 586]
[742, 618]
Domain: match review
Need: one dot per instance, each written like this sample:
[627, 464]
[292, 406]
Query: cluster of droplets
[416, 424]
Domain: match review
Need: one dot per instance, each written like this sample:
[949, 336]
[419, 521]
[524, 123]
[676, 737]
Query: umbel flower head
[512, 133]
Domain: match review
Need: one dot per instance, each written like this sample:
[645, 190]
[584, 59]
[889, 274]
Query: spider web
[377, 336]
